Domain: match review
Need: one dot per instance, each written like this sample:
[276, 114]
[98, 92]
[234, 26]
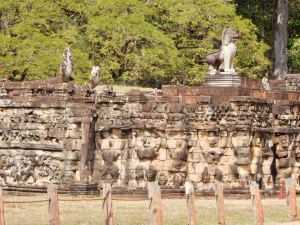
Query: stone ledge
[222, 81]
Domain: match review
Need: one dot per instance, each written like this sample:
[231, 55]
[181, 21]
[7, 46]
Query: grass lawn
[238, 212]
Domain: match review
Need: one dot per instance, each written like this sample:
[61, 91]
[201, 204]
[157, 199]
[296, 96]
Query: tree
[129, 49]
[32, 39]
[294, 37]
[279, 37]
[146, 43]
[265, 14]
[196, 29]
[260, 13]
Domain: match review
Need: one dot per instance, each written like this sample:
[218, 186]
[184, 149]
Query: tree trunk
[262, 27]
[278, 54]
[128, 47]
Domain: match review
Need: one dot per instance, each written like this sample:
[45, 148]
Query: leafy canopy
[145, 43]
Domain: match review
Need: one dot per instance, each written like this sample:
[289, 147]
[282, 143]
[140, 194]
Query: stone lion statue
[66, 65]
[224, 55]
[95, 76]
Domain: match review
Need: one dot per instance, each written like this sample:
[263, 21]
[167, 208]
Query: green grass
[238, 212]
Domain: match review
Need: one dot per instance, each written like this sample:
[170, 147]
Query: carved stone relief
[231, 143]
[20, 167]
[134, 141]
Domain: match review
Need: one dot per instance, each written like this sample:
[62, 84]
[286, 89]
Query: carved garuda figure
[224, 55]
[95, 75]
[66, 66]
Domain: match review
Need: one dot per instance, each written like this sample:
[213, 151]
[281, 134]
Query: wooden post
[2, 222]
[154, 193]
[220, 202]
[107, 205]
[291, 198]
[256, 204]
[281, 190]
[53, 205]
[190, 202]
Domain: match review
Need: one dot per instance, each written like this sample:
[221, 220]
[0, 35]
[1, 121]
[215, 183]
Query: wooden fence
[155, 203]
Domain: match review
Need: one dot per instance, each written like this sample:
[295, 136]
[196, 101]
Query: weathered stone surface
[170, 90]
[170, 98]
[201, 134]
[189, 99]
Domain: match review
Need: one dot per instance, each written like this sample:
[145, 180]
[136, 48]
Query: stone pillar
[85, 129]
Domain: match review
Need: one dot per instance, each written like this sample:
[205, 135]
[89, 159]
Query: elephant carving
[224, 55]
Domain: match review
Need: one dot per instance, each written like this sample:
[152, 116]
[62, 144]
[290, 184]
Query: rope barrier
[170, 198]
[131, 200]
[15, 202]
[91, 199]
[78, 200]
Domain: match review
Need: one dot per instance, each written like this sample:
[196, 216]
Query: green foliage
[294, 54]
[33, 36]
[127, 46]
[250, 60]
[294, 37]
[196, 29]
[260, 12]
[146, 43]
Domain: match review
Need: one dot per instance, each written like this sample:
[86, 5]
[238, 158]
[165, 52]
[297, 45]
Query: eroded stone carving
[66, 65]
[212, 154]
[141, 176]
[268, 159]
[265, 83]
[95, 76]
[241, 143]
[147, 145]
[224, 55]
[178, 153]
[23, 168]
[256, 155]
[284, 155]
[133, 141]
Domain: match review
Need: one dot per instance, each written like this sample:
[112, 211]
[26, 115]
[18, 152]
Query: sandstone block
[170, 90]
[166, 98]
[78, 144]
[189, 99]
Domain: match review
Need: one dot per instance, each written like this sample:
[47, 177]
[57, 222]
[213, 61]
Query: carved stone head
[229, 36]
[295, 109]
[140, 173]
[177, 179]
[212, 139]
[243, 138]
[209, 110]
[282, 146]
[162, 178]
[152, 172]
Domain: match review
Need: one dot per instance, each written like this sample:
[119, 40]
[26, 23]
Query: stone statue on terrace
[95, 76]
[66, 65]
[225, 54]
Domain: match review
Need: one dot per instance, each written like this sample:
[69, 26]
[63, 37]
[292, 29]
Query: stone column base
[222, 80]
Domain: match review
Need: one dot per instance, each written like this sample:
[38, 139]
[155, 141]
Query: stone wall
[170, 142]
[200, 134]
[65, 134]
[41, 132]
